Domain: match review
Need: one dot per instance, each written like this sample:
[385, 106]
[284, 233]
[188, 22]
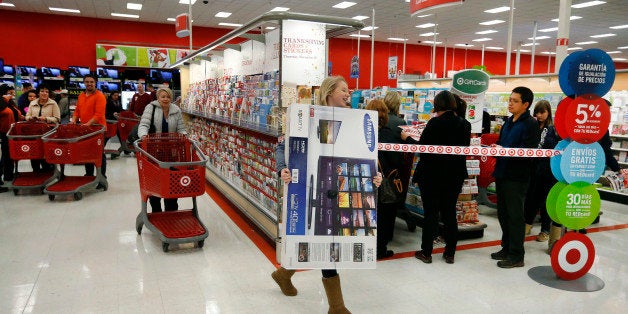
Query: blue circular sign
[591, 72]
[555, 161]
[563, 74]
[582, 162]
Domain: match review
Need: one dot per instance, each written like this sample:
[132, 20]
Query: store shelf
[623, 163]
[619, 136]
[619, 149]
[613, 196]
[262, 129]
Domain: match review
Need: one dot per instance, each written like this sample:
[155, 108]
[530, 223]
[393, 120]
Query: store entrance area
[85, 256]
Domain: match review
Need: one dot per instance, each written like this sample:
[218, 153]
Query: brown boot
[282, 278]
[528, 229]
[334, 296]
[555, 234]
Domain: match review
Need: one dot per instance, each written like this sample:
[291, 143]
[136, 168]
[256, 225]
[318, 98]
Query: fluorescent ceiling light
[548, 53]
[360, 17]
[522, 50]
[431, 42]
[619, 59]
[187, 1]
[483, 39]
[622, 47]
[496, 48]
[426, 25]
[280, 9]
[132, 16]
[171, 19]
[547, 30]
[370, 28]
[397, 39]
[270, 27]
[344, 5]
[64, 10]
[619, 26]
[428, 34]
[230, 24]
[587, 4]
[6, 4]
[575, 48]
[613, 52]
[603, 35]
[464, 45]
[360, 35]
[529, 44]
[490, 31]
[134, 6]
[586, 43]
[539, 37]
[571, 18]
[493, 22]
[498, 10]
[223, 14]
[425, 15]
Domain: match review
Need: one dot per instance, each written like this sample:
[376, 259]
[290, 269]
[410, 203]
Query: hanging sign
[392, 68]
[471, 85]
[587, 119]
[417, 6]
[182, 26]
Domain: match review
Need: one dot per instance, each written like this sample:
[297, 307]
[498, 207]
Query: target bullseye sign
[185, 180]
[572, 256]
[25, 148]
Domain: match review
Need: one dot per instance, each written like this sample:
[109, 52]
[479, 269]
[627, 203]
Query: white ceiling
[456, 24]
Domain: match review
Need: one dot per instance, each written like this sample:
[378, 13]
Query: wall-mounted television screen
[26, 70]
[107, 73]
[8, 70]
[33, 83]
[108, 87]
[7, 81]
[1, 67]
[77, 71]
[130, 85]
[160, 76]
[50, 72]
[130, 74]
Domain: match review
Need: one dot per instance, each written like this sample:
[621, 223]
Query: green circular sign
[550, 201]
[577, 205]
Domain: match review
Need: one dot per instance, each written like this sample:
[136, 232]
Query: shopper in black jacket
[440, 177]
[389, 162]
[512, 177]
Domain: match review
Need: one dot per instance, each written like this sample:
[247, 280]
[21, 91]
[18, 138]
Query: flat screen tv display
[50, 72]
[1, 67]
[108, 87]
[26, 70]
[78, 71]
[8, 70]
[160, 76]
[7, 81]
[107, 73]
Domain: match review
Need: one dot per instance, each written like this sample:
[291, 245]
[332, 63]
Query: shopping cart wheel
[201, 243]
[78, 196]
[138, 228]
[164, 246]
[14, 192]
[51, 197]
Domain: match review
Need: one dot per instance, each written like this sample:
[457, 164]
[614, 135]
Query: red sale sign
[587, 119]
[417, 6]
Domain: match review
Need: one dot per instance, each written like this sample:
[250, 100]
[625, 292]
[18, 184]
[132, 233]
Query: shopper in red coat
[140, 100]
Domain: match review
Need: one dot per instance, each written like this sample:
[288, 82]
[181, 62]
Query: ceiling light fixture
[360, 17]
[539, 37]
[431, 42]
[280, 9]
[187, 1]
[464, 45]
[64, 10]
[370, 28]
[586, 43]
[428, 34]
[171, 19]
[619, 26]
[134, 6]
[223, 14]
[397, 39]
[619, 59]
[132, 16]
[529, 44]
[493, 22]
[483, 39]
[426, 25]
[603, 35]
[6, 4]
[571, 18]
[344, 5]
[548, 53]
[270, 28]
[230, 24]
[522, 50]
[496, 48]
[613, 52]
[574, 48]
[490, 31]
[622, 47]
[498, 10]
[360, 35]
[587, 4]
[424, 15]
[547, 30]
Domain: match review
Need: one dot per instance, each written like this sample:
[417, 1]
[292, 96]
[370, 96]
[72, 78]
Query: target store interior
[215, 107]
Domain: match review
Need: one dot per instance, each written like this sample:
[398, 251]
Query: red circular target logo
[439, 149]
[413, 148]
[396, 147]
[457, 150]
[387, 146]
[185, 180]
[493, 151]
[25, 148]
[572, 256]
[448, 149]
[430, 149]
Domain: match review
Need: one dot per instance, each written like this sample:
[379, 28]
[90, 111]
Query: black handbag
[133, 136]
[391, 189]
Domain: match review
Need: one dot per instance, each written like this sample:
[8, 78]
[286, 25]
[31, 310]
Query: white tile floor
[85, 257]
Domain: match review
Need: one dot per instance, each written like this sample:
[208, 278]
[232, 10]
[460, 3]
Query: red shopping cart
[25, 143]
[111, 131]
[75, 144]
[171, 166]
[486, 185]
[127, 120]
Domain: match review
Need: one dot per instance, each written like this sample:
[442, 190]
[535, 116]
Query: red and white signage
[417, 6]
[182, 25]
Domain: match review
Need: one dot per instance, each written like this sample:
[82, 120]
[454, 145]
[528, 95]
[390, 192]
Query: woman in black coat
[440, 177]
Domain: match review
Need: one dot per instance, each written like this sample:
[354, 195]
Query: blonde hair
[392, 101]
[328, 86]
[382, 111]
[165, 89]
